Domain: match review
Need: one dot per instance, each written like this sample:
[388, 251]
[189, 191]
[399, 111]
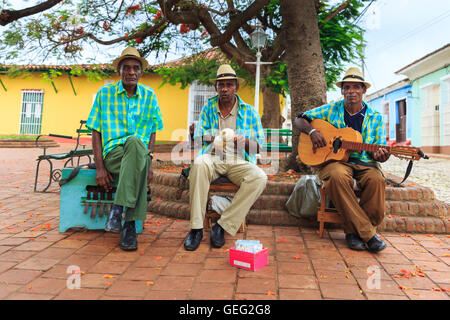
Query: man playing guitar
[360, 217]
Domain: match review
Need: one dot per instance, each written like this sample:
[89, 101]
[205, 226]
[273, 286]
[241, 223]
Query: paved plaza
[36, 260]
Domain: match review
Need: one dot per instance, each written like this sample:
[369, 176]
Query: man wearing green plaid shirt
[234, 158]
[360, 217]
[124, 120]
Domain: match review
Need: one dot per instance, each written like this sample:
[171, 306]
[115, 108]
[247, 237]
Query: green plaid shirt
[118, 117]
[248, 124]
[373, 129]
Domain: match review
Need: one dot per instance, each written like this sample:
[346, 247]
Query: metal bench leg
[37, 173]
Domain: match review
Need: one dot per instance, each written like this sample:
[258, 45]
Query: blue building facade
[395, 103]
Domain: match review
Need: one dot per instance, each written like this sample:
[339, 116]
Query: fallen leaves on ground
[405, 274]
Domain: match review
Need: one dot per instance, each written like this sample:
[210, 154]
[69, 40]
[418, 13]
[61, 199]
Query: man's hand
[381, 155]
[317, 140]
[104, 179]
[239, 142]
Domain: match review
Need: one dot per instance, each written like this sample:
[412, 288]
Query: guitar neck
[398, 151]
[359, 146]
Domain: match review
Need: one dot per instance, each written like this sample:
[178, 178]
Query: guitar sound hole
[337, 143]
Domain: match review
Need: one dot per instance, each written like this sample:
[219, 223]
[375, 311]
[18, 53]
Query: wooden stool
[327, 214]
[221, 184]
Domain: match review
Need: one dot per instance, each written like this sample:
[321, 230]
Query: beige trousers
[360, 217]
[251, 181]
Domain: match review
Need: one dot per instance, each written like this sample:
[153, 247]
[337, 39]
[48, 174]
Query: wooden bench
[77, 153]
[277, 146]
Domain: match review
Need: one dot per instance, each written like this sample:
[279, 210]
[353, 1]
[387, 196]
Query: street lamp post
[258, 40]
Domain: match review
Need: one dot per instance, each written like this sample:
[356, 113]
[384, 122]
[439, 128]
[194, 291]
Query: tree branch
[237, 21]
[335, 12]
[8, 16]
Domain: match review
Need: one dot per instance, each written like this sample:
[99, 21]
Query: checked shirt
[373, 129]
[248, 124]
[118, 117]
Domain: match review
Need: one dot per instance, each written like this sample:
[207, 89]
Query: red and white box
[248, 260]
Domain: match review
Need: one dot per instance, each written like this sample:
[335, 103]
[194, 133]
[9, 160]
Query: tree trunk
[271, 104]
[306, 73]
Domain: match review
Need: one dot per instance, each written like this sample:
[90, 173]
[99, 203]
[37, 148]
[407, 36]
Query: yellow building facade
[58, 106]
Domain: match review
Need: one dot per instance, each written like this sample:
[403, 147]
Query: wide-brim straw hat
[130, 52]
[226, 72]
[353, 74]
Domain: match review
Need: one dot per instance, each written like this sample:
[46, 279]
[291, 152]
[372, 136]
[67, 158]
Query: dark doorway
[400, 126]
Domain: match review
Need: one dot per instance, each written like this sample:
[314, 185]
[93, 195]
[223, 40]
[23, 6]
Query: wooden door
[401, 125]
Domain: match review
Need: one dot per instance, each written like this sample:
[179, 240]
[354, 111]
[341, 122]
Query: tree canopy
[75, 31]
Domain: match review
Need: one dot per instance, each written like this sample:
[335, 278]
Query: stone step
[431, 208]
[408, 209]
[414, 193]
[268, 201]
[17, 143]
[408, 224]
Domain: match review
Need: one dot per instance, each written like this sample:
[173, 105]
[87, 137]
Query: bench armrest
[37, 143]
[59, 136]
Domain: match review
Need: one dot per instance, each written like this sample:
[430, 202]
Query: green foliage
[72, 30]
[277, 80]
[17, 137]
[201, 70]
[341, 40]
[50, 75]
[14, 72]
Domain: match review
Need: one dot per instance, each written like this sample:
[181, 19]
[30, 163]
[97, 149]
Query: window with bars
[198, 97]
[31, 115]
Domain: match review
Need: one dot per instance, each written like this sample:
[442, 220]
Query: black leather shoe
[128, 237]
[114, 220]
[354, 242]
[217, 236]
[193, 239]
[375, 244]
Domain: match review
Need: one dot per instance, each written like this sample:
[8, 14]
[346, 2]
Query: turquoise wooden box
[73, 211]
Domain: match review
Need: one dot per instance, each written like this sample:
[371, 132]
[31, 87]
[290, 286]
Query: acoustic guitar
[341, 142]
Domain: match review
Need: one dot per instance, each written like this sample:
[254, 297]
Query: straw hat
[226, 72]
[130, 52]
[353, 74]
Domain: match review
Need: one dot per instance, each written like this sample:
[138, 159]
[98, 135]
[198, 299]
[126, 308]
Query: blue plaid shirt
[248, 124]
[118, 117]
[373, 129]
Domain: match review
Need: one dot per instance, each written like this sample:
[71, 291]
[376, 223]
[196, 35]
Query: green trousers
[131, 162]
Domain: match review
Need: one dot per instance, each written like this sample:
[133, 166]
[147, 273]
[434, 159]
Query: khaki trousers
[359, 217]
[131, 162]
[251, 181]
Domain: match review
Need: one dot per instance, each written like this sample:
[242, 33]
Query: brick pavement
[35, 257]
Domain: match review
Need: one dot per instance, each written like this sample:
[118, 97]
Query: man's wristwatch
[151, 155]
